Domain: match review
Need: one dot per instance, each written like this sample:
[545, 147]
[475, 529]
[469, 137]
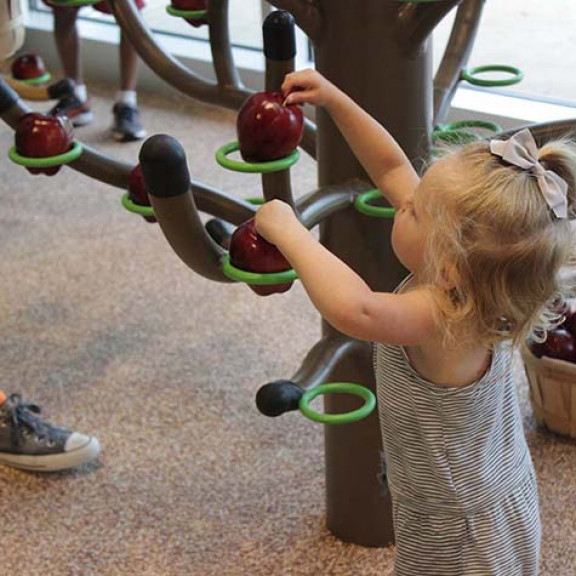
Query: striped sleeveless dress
[465, 500]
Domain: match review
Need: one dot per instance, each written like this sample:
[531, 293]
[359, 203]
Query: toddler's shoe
[127, 126]
[77, 111]
[30, 443]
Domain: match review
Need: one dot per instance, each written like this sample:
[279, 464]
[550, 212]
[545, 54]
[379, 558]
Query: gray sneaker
[28, 442]
[127, 126]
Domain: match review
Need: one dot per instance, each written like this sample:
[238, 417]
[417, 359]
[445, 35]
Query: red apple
[137, 191]
[268, 130]
[104, 7]
[250, 252]
[192, 5]
[559, 344]
[28, 66]
[41, 136]
[569, 312]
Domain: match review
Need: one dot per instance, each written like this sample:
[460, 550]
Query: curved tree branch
[456, 55]
[545, 131]
[232, 95]
[307, 13]
[420, 19]
[228, 91]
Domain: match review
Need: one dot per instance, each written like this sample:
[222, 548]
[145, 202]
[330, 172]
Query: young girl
[484, 234]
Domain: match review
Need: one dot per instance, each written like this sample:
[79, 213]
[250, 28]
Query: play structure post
[364, 49]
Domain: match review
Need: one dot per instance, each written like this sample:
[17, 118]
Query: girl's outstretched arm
[377, 151]
[339, 294]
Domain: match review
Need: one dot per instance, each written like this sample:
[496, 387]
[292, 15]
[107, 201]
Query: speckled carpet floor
[104, 327]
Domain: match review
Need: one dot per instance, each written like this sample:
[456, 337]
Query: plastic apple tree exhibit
[378, 51]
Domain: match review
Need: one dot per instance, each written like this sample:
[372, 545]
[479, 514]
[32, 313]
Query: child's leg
[68, 42]
[128, 64]
[127, 125]
[76, 106]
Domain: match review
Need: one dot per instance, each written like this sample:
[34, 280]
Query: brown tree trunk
[362, 52]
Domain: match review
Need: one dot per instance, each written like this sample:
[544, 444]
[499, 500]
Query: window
[537, 37]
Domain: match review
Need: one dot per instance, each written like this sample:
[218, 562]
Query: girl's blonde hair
[495, 249]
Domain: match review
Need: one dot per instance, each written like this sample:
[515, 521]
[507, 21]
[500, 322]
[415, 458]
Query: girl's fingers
[293, 99]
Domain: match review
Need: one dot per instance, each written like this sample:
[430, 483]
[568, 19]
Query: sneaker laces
[128, 113]
[25, 416]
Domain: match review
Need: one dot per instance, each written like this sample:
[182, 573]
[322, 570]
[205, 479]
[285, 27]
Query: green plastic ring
[256, 201]
[261, 167]
[454, 137]
[362, 204]
[48, 162]
[452, 133]
[484, 124]
[35, 81]
[254, 277]
[470, 75]
[338, 388]
[136, 208]
[188, 14]
[73, 3]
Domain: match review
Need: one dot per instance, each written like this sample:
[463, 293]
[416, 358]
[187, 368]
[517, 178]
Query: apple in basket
[569, 312]
[267, 129]
[559, 344]
[251, 252]
[41, 136]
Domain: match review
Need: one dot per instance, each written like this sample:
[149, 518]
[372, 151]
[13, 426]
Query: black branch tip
[275, 398]
[164, 168]
[8, 97]
[279, 36]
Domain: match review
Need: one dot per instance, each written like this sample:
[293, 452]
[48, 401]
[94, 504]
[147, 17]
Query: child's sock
[128, 97]
[81, 92]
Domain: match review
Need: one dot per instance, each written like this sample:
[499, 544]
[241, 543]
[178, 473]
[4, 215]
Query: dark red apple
[569, 312]
[41, 136]
[28, 66]
[104, 7]
[250, 252]
[267, 130]
[192, 5]
[559, 344]
[137, 191]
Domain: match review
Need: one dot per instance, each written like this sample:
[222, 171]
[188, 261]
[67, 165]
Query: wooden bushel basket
[552, 392]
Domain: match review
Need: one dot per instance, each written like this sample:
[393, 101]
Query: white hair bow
[522, 151]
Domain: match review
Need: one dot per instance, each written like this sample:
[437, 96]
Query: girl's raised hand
[273, 220]
[308, 87]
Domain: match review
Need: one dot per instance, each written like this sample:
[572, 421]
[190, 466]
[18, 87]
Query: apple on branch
[267, 129]
[192, 5]
[28, 66]
[42, 136]
[104, 7]
[251, 252]
[137, 191]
